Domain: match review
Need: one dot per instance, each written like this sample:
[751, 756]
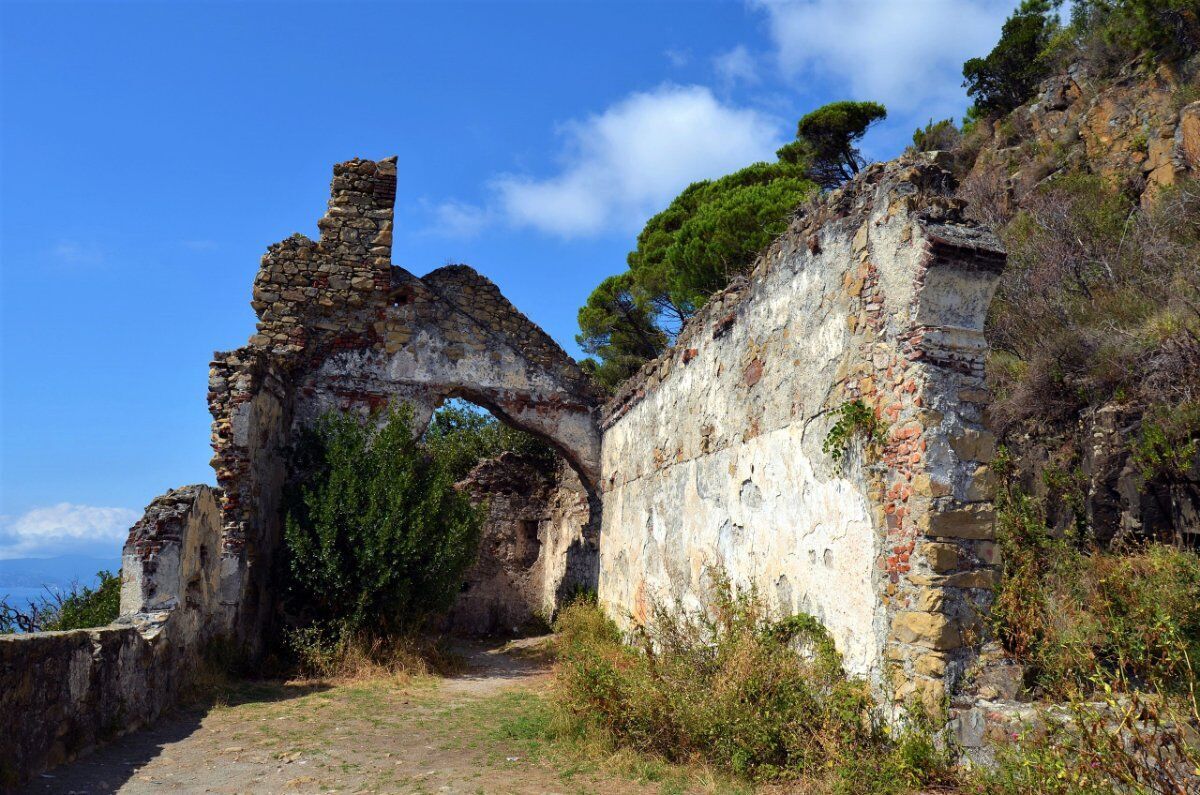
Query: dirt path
[479, 732]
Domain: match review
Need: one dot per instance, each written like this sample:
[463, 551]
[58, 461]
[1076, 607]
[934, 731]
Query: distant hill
[22, 574]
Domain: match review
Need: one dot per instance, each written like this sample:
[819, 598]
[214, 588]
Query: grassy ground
[487, 731]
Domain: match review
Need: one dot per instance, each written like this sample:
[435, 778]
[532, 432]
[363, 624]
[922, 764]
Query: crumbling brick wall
[62, 693]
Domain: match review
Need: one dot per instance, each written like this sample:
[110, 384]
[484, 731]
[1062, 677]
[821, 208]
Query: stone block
[970, 522]
[941, 557]
[973, 445]
[980, 578]
[926, 486]
[988, 553]
[982, 485]
[931, 664]
[930, 630]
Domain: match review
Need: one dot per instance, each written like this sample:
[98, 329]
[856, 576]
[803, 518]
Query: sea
[31, 579]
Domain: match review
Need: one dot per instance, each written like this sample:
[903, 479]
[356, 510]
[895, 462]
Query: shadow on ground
[109, 767]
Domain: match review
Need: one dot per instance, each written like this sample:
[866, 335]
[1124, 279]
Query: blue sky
[150, 152]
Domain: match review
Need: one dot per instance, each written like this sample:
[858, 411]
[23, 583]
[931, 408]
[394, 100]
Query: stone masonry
[533, 516]
[61, 693]
[711, 456]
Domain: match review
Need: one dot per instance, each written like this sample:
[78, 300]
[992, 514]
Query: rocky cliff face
[1140, 132]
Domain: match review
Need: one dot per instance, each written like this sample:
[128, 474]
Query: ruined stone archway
[340, 327]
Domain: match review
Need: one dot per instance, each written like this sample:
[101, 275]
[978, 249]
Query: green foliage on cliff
[1103, 34]
[1098, 304]
[1150, 30]
[937, 136]
[376, 537]
[1080, 617]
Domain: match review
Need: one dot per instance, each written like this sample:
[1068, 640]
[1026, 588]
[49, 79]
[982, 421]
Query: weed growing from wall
[856, 421]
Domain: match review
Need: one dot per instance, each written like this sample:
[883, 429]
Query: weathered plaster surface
[713, 455]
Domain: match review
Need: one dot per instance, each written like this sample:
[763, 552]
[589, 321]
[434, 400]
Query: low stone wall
[713, 455]
[61, 693]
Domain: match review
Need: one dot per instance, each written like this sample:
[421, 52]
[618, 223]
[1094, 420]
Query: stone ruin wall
[341, 328]
[532, 518]
[712, 455]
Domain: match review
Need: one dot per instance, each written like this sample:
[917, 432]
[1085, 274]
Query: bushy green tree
[618, 327]
[376, 536]
[711, 232]
[1010, 73]
[86, 607]
[460, 436]
[826, 141]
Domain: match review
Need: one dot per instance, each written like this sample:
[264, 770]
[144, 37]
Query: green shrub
[737, 689]
[1170, 441]
[375, 535]
[856, 420]
[937, 136]
[1150, 30]
[81, 607]
[85, 607]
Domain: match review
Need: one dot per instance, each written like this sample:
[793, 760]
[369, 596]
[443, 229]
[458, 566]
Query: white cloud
[64, 528]
[74, 252]
[907, 55]
[459, 219]
[736, 65]
[678, 58]
[624, 164]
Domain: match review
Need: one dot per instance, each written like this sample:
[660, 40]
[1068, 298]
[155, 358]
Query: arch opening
[538, 541]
